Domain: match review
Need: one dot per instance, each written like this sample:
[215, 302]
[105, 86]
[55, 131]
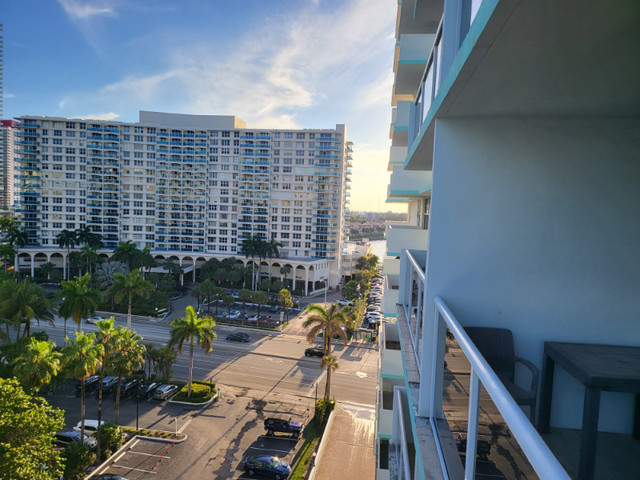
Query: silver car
[165, 391]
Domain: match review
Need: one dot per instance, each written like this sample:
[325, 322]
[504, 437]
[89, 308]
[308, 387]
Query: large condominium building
[195, 184]
[516, 146]
[6, 165]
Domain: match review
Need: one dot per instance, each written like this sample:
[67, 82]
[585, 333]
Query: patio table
[599, 368]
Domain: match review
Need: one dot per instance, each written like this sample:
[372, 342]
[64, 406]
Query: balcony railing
[429, 401]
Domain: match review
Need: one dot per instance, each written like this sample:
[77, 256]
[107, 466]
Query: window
[288, 135]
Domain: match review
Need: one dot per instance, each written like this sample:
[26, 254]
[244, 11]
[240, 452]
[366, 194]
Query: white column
[306, 281]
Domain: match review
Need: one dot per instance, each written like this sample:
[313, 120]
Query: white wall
[535, 226]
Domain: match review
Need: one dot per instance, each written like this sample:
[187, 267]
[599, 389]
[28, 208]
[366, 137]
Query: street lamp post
[137, 410]
[326, 287]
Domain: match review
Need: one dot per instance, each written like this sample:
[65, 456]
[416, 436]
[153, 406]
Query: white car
[233, 314]
[345, 303]
[95, 319]
[90, 426]
[165, 391]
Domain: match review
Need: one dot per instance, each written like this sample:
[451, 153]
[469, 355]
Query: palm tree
[22, 302]
[251, 246]
[6, 252]
[284, 297]
[198, 293]
[103, 276]
[147, 262]
[331, 364]
[285, 270]
[89, 256]
[328, 322]
[127, 356]
[78, 300]
[46, 269]
[351, 316]
[207, 290]
[17, 237]
[272, 250]
[261, 298]
[81, 358]
[128, 253]
[244, 296]
[189, 329]
[66, 239]
[105, 338]
[37, 365]
[216, 293]
[208, 267]
[128, 287]
[228, 300]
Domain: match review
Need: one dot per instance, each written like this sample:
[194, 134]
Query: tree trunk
[118, 399]
[129, 311]
[327, 389]
[100, 408]
[190, 367]
[82, 409]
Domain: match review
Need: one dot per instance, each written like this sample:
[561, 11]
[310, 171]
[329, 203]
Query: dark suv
[280, 425]
[314, 352]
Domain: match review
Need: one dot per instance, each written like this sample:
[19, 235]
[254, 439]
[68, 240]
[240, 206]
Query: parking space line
[149, 454]
[136, 469]
[273, 437]
[269, 449]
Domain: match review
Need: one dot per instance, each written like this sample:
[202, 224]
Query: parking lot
[220, 436]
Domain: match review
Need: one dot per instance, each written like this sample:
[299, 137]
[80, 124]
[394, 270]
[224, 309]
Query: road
[270, 362]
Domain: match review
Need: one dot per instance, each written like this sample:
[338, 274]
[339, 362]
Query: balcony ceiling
[421, 18]
[550, 58]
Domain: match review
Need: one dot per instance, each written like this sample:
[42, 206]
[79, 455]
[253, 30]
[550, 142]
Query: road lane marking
[149, 454]
[136, 469]
[269, 449]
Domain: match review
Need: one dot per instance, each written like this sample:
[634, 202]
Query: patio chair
[496, 346]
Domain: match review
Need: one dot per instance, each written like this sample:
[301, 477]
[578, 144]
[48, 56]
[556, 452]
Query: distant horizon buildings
[189, 186]
[6, 165]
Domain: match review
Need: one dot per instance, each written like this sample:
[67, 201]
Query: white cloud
[83, 9]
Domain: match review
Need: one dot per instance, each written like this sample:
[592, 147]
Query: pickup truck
[280, 425]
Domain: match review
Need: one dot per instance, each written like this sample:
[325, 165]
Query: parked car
[233, 314]
[147, 389]
[66, 437]
[95, 319]
[238, 337]
[314, 352]
[345, 303]
[130, 387]
[90, 426]
[109, 476]
[165, 391]
[266, 465]
[281, 425]
[109, 385]
[90, 384]
[261, 318]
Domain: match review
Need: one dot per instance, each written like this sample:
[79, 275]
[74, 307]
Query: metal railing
[402, 450]
[534, 447]
[413, 305]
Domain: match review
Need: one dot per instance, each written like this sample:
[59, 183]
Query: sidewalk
[347, 447]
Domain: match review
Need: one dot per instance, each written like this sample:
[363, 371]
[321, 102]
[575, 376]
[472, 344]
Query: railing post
[472, 426]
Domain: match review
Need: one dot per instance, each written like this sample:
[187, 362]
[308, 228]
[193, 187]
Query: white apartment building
[189, 186]
[6, 165]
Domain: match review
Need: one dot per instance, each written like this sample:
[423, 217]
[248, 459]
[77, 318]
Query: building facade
[196, 184]
[6, 165]
[515, 146]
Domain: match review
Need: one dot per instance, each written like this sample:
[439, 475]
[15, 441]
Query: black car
[90, 384]
[281, 425]
[130, 387]
[314, 352]
[267, 465]
[109, 385]
[238, 337]
[146, 389]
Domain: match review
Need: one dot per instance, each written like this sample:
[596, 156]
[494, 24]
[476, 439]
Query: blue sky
[286, 63]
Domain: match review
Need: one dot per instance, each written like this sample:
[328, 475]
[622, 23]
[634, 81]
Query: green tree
[37, 365]
[331, 364]
[66, 239]
[265, 285]
[27, 435]
[285, 270]
[261, 298]
[351, 318]
[367, 262]
[221, 276]
[84, 235]
[253, 246]
[103, 277]
[127, 253]
[163, 362]
[81, 359]
[198, 293]
[89, 257]
[208, 267]
[22, 302]
[217, 293]
[350, 290]
[284, 298]
[126, 287]
[228, 301]
[276, 286]
[327, 322]
[105, 338]
[192, 329]
[18, 237]
[244, 296]
[126, 357]
[77, 457]
[78, 300]
[7, 252]
[46, 269]
[271, 250]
